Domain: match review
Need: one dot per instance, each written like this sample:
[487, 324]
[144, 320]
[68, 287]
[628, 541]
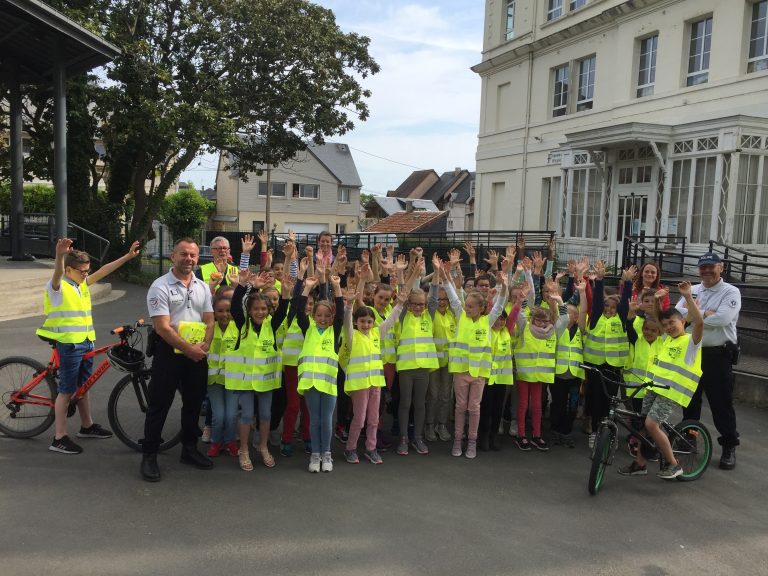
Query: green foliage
[185, 212]
[38, 198]
[365, 198]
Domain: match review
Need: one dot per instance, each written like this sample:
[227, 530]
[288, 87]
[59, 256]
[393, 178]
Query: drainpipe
[525, 138]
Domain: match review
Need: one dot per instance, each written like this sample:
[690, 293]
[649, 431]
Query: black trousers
[279, 402]
[717, 382]
[491, 407]
[565, 401]
[171, 372]
[598, 402]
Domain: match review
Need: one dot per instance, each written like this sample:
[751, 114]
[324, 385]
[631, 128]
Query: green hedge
[38, 198]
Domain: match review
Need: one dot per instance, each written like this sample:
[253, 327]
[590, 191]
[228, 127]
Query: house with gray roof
[319, 189]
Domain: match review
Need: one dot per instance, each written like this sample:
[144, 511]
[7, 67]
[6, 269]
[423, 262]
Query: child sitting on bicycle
[677, 367]
[69, 323]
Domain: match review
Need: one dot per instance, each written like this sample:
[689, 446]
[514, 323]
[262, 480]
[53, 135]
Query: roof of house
[447, 181]
[395, 205]
[209, 193]
[406, 221]
[337, 158]
[411, 183]
[464, 189]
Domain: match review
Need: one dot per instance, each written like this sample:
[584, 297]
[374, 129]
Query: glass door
[632, 216]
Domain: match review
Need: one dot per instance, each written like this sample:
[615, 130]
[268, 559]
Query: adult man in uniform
[182, 315]
[719, 303]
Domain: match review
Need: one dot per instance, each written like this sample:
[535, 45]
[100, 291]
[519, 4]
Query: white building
[605, 118]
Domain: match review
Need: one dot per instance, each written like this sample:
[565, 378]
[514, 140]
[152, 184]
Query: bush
[185, 213]
[38, 198]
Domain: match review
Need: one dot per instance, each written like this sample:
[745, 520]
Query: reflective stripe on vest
[222, 343]
[318, 361]
[364, 368]
[293, 342]
[71, 321]
[444, 329]
[502, 368]
[670, 369]
[641, 358]
[389, 338]
[569, 355]
[416, 345]
[255, 365]
[470, 351]
[536, 361]
[607, 343]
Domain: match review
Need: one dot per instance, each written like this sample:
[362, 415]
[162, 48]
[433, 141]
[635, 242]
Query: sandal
[245, 460]
[267, 459]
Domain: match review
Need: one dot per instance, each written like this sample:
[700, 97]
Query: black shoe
[494, 443]
[150, 471]
[94, 431]
[64, 446]
[192, 456]
[728, 459]
[483, 444]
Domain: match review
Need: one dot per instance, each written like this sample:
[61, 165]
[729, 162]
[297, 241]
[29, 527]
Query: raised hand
[310, 283]
[572, 267]
[684, 287]
[63, 246]
[538, 262]
[507, 263]
[581, 285]
[437, 264]
[335, 281]
[628, 274]
[454, 257]
[600, 270]
[263, 238]
[365, 257]
[401, 263]
[527, 264]
[511, 252]
[309, 251]
[470, 250]
[560, 275]
[492, 258]
[634, 306]
[292, 236]
[242, 276]
[377, 249]
[247, 243]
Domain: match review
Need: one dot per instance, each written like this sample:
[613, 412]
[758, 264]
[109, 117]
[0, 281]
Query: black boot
[494, 443]
[150, 471]
[728, 459]
[192, 456]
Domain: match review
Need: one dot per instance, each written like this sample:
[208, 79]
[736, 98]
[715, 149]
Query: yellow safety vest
[502, 368]
[364, 368]
[470, 351]
[222, 343]
[444, 326]
[207, 269]
[671, 370]
[255, 365]
[318, 361]
[389, 339]
[70, 322]
[536, 360]
[607, 343]
[416, 344]
[569, 354]
[293, 342]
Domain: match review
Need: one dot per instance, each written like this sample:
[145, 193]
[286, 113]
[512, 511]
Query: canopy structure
[41, 46]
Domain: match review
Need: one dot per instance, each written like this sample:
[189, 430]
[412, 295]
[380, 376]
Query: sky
[425, 106]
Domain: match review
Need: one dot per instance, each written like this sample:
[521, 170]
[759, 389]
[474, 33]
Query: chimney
[409, 206]
[456, 170]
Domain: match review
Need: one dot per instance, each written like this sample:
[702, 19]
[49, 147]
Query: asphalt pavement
[503, 513]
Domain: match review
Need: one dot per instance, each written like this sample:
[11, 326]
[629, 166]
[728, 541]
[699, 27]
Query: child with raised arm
[678, 368]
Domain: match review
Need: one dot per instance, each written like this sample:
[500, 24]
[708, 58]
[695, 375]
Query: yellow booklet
[192, 332]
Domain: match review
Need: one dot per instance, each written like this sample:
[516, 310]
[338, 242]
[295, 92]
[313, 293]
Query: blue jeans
[73, 370]
[245, 399]
[223, 415]
[320, 406]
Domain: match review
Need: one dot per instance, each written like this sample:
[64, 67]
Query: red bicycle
[28, 390]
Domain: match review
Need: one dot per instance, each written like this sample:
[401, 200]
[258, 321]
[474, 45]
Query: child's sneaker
[420, 446]
[456, 450]
[286, 450]
[214, 449]
[430, 434]
[314, 463]
[64, 445]
[327, 462]
[442, 433]
[94, 431]
[539, 443]
[374, 457]
[232, 448]
[670, 471]
[402, 447]
[513, 428]
[471, 449]
[206, 438]
[633, 469]
[351, 456]
[523, 444]
[340, 433]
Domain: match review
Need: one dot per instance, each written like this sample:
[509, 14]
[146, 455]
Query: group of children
[327, 330]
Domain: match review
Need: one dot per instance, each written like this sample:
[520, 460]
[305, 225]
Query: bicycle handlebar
[621, 384]
[127, 329]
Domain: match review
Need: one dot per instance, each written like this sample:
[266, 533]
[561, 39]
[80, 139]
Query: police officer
[182, 314]
[719, 303]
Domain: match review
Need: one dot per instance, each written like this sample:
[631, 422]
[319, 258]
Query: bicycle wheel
[692, 446]
[127, 410]
[34, 415]
[600, 457]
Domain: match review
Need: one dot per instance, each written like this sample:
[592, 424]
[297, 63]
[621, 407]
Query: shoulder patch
[154, 303]
[733, 303]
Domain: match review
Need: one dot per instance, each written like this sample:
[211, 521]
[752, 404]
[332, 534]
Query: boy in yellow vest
[678, 367]
[69, 323]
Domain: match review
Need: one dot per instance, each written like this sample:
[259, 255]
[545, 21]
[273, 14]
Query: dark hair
[647, 293]
[254, 296]
[324, 233]
[362, 312]
[639, 280]
[669, 313]
[186, 239]
[224, 291]
[278, 259]
[491, 279]
[75, 257]
[382, 286]
[221, 298]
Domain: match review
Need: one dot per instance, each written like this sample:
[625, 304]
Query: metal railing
[96, 246]
[737, 264]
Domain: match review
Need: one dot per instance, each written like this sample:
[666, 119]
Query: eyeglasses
[442, 299]
[220, 248]
[83, 272]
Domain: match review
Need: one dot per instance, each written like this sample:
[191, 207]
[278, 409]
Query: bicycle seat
[48, 341]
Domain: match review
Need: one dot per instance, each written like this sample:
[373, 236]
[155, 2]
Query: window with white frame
[278, 189]
[758, 37]
[698, 52]
[585, 203]
[344, 194]
[644, 174]
[575, 4]
[646, 72]
[678, 198]
[750, 219]
[692, 198]
[510, 20]
[341, 228]
[554, 9]
[306, 191]
[625, 175]
[586, 91]
[561, 87]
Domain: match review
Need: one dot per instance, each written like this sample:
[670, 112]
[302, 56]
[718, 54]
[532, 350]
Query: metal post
[267, 211]
[17, 165]
[60, 141]
[160, 251]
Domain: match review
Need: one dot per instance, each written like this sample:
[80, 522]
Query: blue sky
[425, 106]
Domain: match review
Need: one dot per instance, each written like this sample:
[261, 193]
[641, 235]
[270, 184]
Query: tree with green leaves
[185, 212]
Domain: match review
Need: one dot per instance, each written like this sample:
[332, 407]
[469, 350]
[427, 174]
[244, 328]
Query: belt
[714, 349]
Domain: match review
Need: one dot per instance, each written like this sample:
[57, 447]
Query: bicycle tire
[24, 420]
[127, 408]
[694, 463]
[600, 457]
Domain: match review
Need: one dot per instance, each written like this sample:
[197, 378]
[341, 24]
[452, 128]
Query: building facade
[319, 190]
[607, 118]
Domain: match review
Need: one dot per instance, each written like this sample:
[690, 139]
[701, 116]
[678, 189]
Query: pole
[267, 227]
[17, 165]
[60, 141]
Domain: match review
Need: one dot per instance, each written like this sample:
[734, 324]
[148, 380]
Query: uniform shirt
[168, 296]
[725, 300]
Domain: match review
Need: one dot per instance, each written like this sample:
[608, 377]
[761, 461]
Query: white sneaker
[513, 428]
[592, 440]
[327, 463]
[442, 433]
[206, 438]
[314, 462]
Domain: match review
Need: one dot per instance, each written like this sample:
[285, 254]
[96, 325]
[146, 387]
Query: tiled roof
[394, 205]
[406, 221]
